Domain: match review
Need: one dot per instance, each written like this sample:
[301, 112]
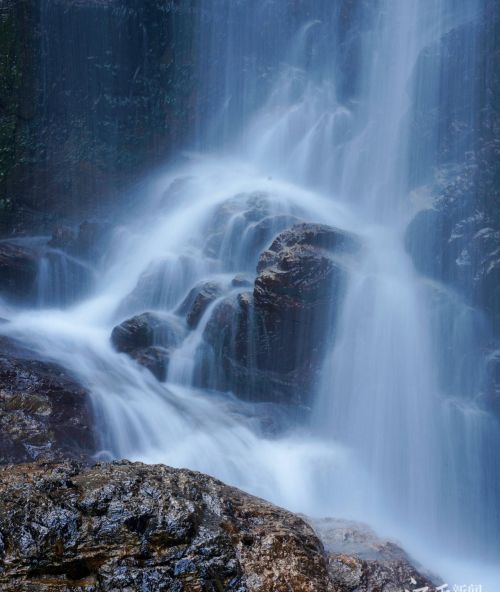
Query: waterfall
[306, 111]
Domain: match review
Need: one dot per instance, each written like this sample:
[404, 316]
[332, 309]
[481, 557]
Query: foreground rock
[360, 561]
[44, 413]
[128, 526]
[268, 344]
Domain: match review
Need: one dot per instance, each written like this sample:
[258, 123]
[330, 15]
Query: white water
[386, 443]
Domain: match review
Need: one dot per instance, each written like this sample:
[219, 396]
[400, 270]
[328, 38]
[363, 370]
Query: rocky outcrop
[128, 526]
[18, 271]
[149, 339]
[44, 413]
[456, 239]
[32, 273]
[268, 344]
[360, 561]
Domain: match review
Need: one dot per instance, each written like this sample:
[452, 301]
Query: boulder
[18, 271]
[44, 413]
[268, 344]
[149, 338]
[358, 560]
[129, 526]
[198, 300]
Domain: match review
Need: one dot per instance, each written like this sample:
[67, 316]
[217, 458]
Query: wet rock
[44, 413]
[155, 358]
[231, 217]
[242, 226]
[162, 284]
[149, 338]
[464, 254]
[241, 281]
[144, 330]
[198, 300]
[267, 345]
[360, 561]
[90, 242]
[18, 271]
[130, 526]
[298, 270]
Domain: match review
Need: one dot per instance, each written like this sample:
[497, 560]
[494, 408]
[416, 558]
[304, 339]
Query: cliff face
[456, 238]
[92, 92]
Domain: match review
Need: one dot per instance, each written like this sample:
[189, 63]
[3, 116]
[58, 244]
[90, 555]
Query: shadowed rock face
[44, 413]
[268, 344]
[18, 271]
[128, 526]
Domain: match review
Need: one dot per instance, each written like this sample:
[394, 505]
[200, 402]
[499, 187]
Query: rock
[18, 271]
[155, 358]
[359, 561]
[90, 242]
[267, 345]
[242, 226]
[129, 526]
[198, 300]
[44, 413]
[162, 284]
[149, 338]
[36, 275]
[144, 330]
[463, 253]
[241, 281]
[298, 270]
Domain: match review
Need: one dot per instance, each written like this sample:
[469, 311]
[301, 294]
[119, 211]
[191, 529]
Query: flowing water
[308, 107]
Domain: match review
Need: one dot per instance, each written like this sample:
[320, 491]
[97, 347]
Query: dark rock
[44, 413]
[130, 526]
[144, 330]
[360, 561]
[268, 345]
[241, 281]
[148, 338]
[297, 271]
[198, 300]
[155, 358]
[90, 242]
[18, 271]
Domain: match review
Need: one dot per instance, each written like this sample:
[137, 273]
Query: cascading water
[314, 104]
